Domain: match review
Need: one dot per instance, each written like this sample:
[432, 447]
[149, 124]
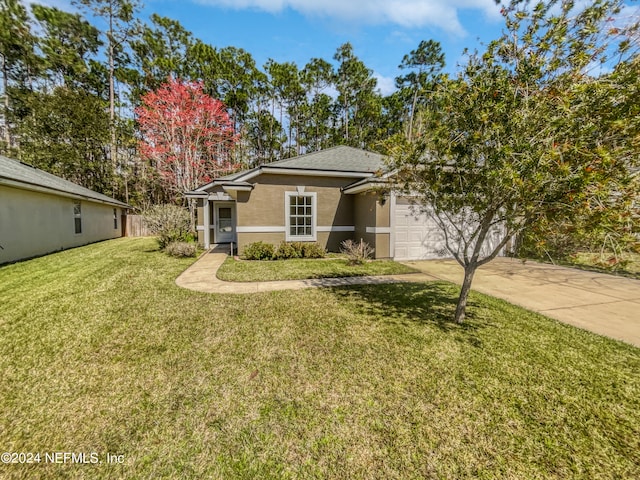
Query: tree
[317, 77]
[511, 140]
[159, 52]
[17, 59]
[187, 134]
[288, 92]
[424, 63]
[118, 16]
[67, 43]
[359, 104]
[66, 133]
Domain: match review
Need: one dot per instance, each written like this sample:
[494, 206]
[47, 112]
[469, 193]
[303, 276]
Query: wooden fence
[135, 227]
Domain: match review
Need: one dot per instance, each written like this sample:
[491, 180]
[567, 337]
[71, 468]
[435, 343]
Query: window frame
[314, 217]
[115, 218]
[77, 217]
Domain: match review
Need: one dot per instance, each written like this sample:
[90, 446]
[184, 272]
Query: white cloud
[406, 13]
[386, 85]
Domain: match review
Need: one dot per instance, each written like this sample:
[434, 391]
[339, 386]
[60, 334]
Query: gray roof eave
[58, 191]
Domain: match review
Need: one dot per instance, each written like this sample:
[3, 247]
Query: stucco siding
[382, 245]
[34, 223]
[371, 215]
[364, 216]
[264, 205]
[383, 214]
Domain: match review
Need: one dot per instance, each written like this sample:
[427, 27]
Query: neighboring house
[326, 197]
[41, 213]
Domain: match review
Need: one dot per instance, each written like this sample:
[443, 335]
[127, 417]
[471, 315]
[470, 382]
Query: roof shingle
[23, 173]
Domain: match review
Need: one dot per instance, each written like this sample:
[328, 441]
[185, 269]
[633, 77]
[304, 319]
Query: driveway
[604, 304]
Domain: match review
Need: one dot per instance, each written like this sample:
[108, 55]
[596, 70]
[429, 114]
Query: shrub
[181, 249]
[259, 251]
[357, 252]
[288, 250]
[313, 250]
[170, 223]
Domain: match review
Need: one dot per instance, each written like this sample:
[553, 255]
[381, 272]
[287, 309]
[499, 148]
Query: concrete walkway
[201, 276]
[604, 304]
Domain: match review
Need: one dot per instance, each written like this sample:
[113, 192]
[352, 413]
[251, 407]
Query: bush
[288, 250]
[313, 250]
[357, 252]
[170, 223]
[181, 249]
[259, 251]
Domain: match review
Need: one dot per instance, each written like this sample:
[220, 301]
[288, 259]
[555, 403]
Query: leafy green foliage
[516, 138]
[65, 134]
[284, 251]
[288, 250]
[312, 250]
[259, 251]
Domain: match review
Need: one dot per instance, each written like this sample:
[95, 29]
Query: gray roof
[335, 159]
[31, 176]
[339, 159]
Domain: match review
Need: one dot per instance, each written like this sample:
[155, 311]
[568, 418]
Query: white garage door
[418, 237]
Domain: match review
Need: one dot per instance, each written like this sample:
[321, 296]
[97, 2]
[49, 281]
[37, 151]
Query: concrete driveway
[604, 304]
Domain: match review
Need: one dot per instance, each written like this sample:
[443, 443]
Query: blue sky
[381, 31]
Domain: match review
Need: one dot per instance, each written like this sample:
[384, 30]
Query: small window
[115, 218]
[301, 216]
[77, 217]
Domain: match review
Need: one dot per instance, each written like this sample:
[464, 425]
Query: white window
[77, 217]
[115, 218]
[300, 215]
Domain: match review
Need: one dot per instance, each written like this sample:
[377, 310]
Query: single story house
[41, 213]
[326, 197]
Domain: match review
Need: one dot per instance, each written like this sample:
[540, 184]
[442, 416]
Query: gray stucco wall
[34, 223]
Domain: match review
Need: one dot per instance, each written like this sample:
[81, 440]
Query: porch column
[207, 223]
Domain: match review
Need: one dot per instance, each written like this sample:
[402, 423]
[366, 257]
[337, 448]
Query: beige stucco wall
[365, 216]
[34, 223]
[371, 213]
[264, 206]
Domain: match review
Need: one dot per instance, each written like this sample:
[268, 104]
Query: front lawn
[101, 352]
[233, 270]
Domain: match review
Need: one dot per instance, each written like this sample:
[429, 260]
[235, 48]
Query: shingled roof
[339, 159]
[18, 174]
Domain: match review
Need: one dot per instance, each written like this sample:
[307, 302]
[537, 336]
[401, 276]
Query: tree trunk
[469, 272]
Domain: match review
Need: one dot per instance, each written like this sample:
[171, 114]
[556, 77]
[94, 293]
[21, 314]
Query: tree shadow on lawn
[432, 304]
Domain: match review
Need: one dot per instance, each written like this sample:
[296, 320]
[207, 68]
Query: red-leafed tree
[187, 135]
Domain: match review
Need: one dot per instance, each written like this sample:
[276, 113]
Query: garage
[418, 237]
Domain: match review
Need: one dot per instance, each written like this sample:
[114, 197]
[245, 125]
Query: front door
[225, 222]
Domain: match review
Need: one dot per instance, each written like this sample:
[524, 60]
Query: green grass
[233, 270]
[101, 352]
[627, 264]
